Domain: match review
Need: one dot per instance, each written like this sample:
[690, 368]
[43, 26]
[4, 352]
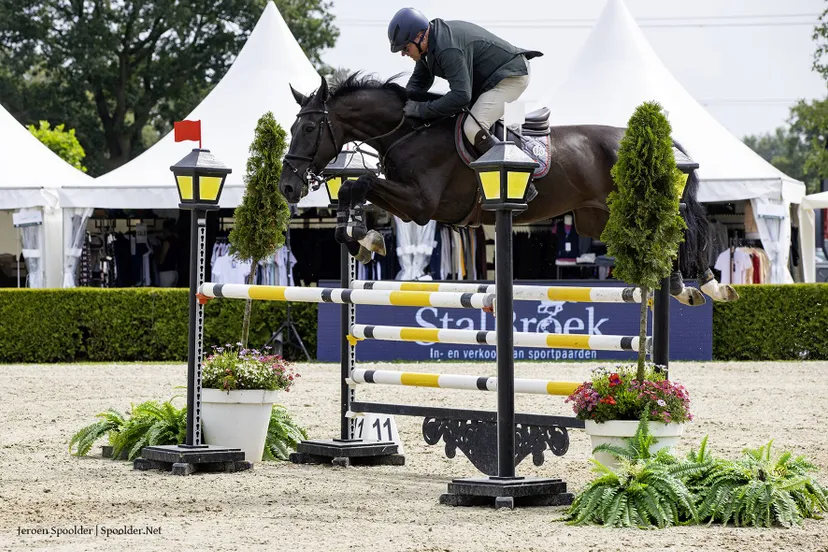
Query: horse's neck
[367, 116]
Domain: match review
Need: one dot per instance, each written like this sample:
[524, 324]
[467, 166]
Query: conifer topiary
[645, 227]
[262, 218]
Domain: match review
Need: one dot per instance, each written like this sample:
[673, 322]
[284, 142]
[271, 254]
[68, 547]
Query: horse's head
[313, 143]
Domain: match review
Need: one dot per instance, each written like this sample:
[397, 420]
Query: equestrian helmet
[404, 27]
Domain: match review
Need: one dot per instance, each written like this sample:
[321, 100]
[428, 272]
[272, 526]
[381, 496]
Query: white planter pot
[237, 419]
[614, 431]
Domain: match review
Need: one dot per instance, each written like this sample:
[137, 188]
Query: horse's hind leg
[717, 291]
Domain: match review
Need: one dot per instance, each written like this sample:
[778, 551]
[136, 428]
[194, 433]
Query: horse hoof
[374, 241]
[691, 297]
[364, 256]
[730, 293]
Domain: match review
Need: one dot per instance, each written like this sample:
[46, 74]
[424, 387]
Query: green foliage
[644, 228]
[112, 69]
[130, 324]
[772, 322]
[759, 490]
[229, 369]
[110, 424]
[62, 142]
[617, 394]
[148, 424]
[820, 37]
[262, 218]
[645, 490]
[283, 434]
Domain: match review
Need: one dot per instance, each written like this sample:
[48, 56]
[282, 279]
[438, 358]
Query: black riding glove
[412, 109]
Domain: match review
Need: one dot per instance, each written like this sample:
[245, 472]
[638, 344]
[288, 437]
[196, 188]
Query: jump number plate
[376, 427]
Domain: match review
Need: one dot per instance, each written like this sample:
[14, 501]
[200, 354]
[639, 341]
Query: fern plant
[646, 490]
[110, 424]
[758, 490]
[283, 434]
[151, 424]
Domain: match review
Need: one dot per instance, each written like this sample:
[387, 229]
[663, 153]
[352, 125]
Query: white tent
[806, 232]
[256, 83]
[617, 70]
[33, 175]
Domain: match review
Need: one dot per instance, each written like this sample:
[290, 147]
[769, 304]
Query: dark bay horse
[425, 179]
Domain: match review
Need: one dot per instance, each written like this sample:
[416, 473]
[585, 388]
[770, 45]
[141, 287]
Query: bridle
[311, 172]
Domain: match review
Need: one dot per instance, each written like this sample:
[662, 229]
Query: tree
[64, 143]
[112, 69]
[645, 228]
[799, 149]
[263, 216]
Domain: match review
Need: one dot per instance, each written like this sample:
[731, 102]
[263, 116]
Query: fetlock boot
[483, 142]
[356, 223]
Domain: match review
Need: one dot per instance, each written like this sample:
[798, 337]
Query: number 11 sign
[376, 427]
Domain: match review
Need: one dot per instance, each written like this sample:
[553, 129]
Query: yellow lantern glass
[516, 184]
[208, 187]
[490, 181]
[185, 187]
[332, 186]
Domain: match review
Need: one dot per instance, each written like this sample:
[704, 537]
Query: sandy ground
[280, 506]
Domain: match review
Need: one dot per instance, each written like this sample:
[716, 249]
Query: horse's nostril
[288, 190]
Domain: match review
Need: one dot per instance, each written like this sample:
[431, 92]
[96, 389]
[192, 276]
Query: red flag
[188, 130]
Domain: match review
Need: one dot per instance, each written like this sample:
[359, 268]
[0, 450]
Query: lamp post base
[348, 452]
[183, 460]
[509, 492]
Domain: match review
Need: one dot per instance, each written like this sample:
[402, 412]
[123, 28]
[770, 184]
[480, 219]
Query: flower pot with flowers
[614, 401]
[239, 387]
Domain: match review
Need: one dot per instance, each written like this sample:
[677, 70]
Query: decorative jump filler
[199, 178]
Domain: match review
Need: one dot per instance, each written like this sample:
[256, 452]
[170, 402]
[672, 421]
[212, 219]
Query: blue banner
[691, 328]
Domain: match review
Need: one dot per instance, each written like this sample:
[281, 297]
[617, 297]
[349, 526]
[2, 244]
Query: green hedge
[74, 325]
[773, 323]
[134, 324]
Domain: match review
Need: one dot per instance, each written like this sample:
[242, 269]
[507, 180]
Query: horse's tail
[693, 252]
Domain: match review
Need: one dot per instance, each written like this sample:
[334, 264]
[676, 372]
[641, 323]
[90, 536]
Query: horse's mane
[357, 81]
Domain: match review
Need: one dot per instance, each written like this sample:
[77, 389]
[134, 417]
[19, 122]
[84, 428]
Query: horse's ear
[300, 98]
[323, 90]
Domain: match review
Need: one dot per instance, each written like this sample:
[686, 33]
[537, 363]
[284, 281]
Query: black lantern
[199, 178]
[504, 174]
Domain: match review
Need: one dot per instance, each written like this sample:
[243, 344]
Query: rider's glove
[411, 109]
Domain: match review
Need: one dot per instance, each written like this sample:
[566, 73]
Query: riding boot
[483, 142]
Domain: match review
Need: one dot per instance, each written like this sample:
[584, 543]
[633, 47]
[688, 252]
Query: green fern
[111, 423]
[644, 491]
[151, 424]
[283, 434]
[757, 490]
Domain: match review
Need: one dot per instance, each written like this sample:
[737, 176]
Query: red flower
[608, 400]
[614, 380]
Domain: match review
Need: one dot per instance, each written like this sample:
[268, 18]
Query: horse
[425, 178]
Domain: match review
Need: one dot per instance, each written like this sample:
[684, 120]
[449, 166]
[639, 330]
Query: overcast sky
[746, 61]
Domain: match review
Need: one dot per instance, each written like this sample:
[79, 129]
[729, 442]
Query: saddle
[532, 137]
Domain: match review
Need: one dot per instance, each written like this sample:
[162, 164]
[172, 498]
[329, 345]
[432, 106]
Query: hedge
[128, 324]
[133, 324]
[771, 322]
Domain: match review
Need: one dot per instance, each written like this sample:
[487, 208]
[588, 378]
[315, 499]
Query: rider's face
[411, 50]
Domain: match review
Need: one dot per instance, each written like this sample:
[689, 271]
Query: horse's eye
[309, 128]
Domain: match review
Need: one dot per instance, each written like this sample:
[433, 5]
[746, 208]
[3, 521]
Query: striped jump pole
[349, 296]
[522, 339]
[454, 381]
[521, 292]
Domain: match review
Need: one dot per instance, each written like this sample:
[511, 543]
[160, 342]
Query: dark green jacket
[470, 58]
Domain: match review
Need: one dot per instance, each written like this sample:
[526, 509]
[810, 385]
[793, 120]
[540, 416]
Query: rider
[483, 71]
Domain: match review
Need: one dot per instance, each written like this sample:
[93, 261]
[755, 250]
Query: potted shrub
[239, 388]
[614, 401]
